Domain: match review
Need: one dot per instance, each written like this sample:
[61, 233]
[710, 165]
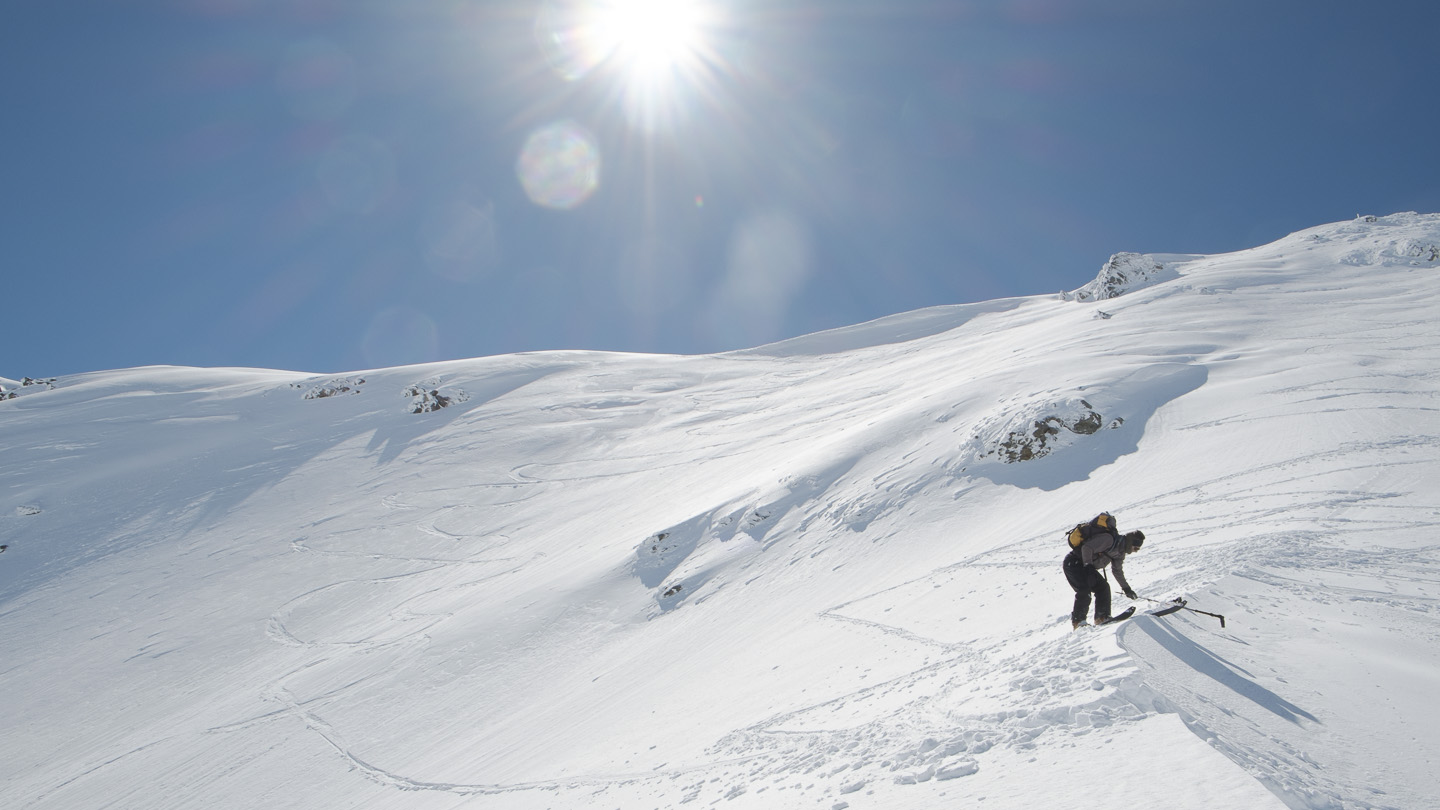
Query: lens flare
[559, 165]
[566, 35]
[770, 262]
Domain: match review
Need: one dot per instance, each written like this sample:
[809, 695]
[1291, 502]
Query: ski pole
[1170, 607]
[1216, 615]
[1179, 604]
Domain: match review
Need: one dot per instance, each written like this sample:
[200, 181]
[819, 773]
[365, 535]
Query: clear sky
[334, 185]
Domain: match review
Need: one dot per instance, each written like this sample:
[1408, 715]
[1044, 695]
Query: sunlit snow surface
[804, 575]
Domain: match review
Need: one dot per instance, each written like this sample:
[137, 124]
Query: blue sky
[333, 185]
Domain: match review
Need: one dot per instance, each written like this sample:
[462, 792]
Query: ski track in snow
[966, 689]
[1074, 701]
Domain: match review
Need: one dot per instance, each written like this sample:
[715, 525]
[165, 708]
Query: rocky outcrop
[1121, 274]
[47, 384]
[428, 397]
[332, 388]
[1043, 435]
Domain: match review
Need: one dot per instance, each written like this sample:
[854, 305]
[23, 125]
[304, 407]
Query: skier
[1085, 562]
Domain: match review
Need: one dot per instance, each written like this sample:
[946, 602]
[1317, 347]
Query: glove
[1129, 594]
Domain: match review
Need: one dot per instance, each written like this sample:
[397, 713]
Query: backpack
[1102, 522]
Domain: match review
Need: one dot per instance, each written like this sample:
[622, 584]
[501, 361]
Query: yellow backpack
[1102, 522]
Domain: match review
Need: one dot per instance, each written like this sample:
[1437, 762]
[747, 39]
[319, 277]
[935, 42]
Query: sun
[655, 55]
[649, 38]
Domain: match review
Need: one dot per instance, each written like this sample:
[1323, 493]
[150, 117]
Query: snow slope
[821, 573]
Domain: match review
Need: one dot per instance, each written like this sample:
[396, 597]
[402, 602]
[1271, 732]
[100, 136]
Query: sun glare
[656, 53]
[645, 38]
[650, 36]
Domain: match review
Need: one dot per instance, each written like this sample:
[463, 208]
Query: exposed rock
[1042, 436]
[428, 397]
[1121, 274]
[26, 382]
[332, 388]
[663, 552]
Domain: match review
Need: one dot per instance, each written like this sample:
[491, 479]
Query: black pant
[1086, 580]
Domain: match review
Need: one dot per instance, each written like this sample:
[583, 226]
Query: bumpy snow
[805, 575]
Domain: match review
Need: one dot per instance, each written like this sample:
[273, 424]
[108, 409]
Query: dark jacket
[1104, 548]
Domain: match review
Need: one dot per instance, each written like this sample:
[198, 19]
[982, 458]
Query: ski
[1169, 607]
[1120, 617]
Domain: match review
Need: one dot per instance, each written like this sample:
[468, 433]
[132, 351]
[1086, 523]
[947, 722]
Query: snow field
[802, 575]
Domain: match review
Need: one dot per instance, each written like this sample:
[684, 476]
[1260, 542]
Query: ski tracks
[938, 722]
[345, 623]
[977, 694]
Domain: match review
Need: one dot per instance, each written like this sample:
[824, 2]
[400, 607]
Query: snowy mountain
[820, 573]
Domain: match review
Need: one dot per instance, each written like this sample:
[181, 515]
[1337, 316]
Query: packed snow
[821, 573]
